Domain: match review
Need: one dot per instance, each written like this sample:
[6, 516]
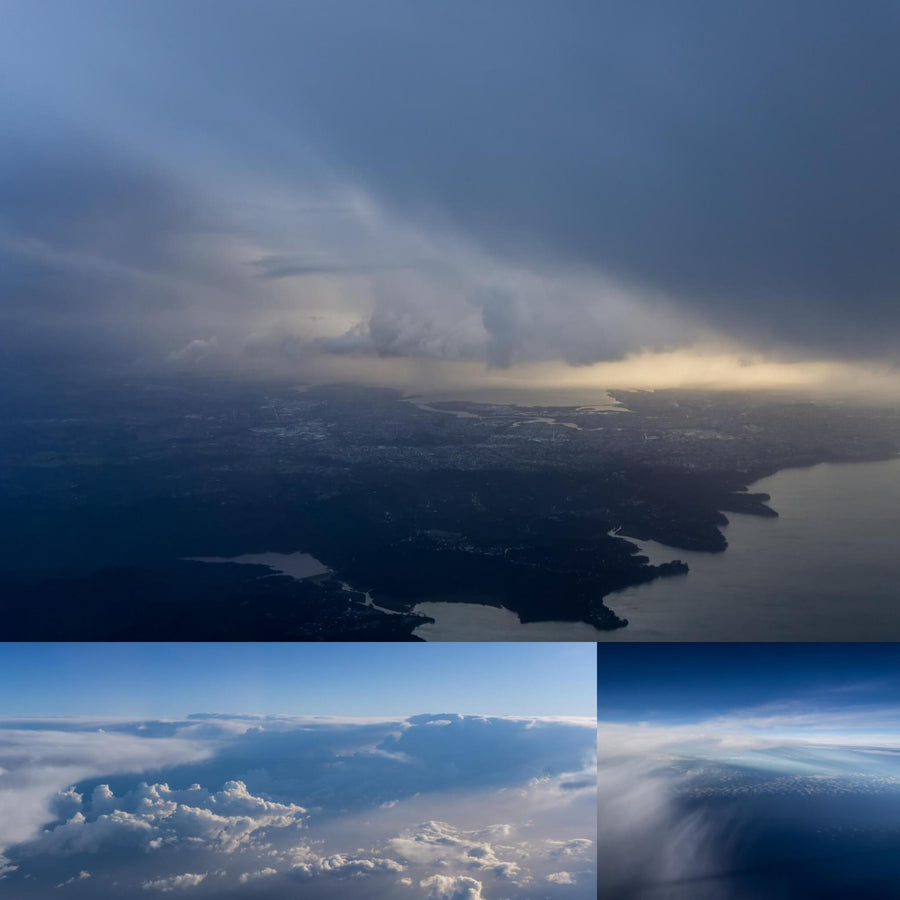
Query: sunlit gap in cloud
[558, 382]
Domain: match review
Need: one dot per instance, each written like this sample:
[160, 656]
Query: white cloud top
[438, 806]
[175, 882]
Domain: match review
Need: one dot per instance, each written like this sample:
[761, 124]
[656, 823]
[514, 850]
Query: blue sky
[159, 679]
[683, 682]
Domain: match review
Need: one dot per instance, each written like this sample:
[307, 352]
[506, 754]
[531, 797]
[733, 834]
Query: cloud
[288, 266]
[342, 865]
[476, 308]
[442, 844]
[576, 847]
[154, 816]
[409, 182]
[645, 839]
[263, 804]
[622, 151]
[447, 887]
[260, 873]
[684, 804]
[174, 883]
[39, 765]
[781, 724]
[81, 876]
[388, 761]
[129, 292]
[195, 350]
[691, 824]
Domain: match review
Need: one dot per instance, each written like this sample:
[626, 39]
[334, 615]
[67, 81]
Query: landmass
[107, 492]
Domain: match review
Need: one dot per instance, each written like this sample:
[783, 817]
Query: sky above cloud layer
[657, 698]
[353, 680]
[670, 683]
[298, 187]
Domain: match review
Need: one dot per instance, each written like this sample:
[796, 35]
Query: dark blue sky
[683, 682]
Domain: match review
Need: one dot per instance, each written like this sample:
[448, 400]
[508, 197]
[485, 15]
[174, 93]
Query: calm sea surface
[828, 569]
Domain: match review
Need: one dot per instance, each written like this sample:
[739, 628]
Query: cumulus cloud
[342, 864]
[575, 847]
[306, 804]
[440, 842]
[259, 873]
[39, 765]
[484, 310]
[174, 882]
[154, 816]
[449, 887]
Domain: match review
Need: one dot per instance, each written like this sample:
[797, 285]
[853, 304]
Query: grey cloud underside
[738, 161]
[739, 158]
[98, 254]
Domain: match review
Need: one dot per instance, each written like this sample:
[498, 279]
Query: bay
[828, 569]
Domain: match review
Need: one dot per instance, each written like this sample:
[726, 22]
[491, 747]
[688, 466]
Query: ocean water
[828, 569]
[297, 565]
[480, 622]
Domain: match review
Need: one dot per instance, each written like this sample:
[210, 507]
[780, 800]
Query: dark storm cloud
[741, 158]
[82, 199]
[91, 252]
[737, 158]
